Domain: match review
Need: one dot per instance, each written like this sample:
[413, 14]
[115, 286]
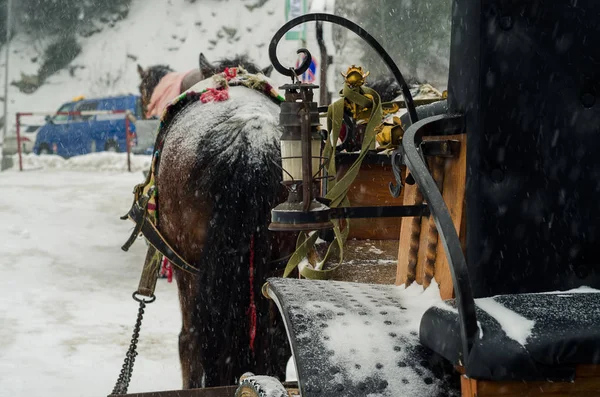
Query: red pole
[128, 142]
[19, 141]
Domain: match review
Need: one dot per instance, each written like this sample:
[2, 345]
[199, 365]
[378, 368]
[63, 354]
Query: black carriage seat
[524, 86]
[522, 336]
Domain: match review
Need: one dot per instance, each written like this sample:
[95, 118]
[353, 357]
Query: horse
[171, 83]
[217, 182]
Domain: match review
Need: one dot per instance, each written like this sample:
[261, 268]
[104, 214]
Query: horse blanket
[167, 90]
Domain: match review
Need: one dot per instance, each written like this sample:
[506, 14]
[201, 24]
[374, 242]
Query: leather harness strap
[155, 239]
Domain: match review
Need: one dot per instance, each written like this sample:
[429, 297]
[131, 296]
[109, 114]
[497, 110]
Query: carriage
[495, 220]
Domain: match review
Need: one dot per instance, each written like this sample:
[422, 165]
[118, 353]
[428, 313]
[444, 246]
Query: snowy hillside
[171, 32]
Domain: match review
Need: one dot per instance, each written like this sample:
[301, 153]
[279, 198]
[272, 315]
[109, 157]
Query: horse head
[150, 79]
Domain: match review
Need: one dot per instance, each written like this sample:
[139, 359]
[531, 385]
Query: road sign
[310, 75]
[293, 9]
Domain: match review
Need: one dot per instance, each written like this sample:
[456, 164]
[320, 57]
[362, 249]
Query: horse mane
[154, 74]
[388, 88]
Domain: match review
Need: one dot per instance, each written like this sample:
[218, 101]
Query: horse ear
[204, 65]
[141, 71]
[267, 71]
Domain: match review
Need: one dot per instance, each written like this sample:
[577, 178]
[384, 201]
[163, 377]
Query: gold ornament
[355, 76]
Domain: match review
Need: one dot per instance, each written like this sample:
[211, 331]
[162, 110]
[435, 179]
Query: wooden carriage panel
[370, 188]
[454, 195]
[587, 384]
[451, 174]
[410, 257]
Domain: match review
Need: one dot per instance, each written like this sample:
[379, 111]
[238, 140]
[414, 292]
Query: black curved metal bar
[444, 125]
[291, 72]
[408, 99]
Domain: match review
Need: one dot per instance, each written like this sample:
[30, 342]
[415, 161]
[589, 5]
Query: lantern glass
[291, 158]
[316, 155]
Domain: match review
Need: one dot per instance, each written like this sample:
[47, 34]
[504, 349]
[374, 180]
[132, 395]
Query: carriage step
[223, 391]
[351, 339]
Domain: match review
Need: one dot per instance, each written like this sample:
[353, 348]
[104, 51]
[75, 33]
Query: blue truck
[72, 135]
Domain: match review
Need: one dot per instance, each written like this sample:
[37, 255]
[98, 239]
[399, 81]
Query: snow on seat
[521, 337]
[352, 339]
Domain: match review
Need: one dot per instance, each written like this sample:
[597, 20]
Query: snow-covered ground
[101, 161]
[66, 312]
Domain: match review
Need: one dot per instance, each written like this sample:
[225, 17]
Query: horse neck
[190, 79]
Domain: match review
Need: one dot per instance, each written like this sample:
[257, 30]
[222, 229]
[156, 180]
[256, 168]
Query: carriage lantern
[301, 163]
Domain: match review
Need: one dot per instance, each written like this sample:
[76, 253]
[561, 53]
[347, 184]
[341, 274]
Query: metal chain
[125, 376]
